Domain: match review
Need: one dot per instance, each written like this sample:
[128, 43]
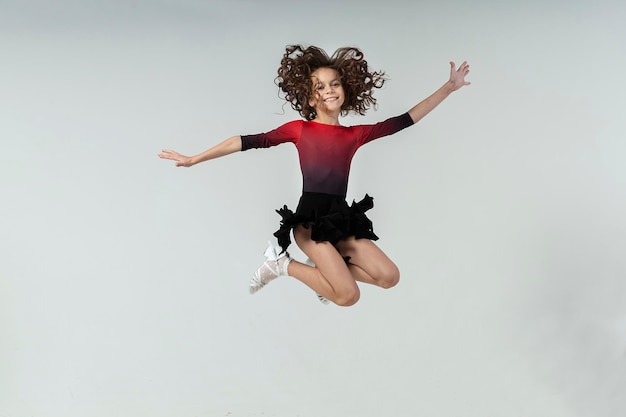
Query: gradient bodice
[325, 151]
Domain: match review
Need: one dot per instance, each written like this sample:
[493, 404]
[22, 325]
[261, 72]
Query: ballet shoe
[275, 266]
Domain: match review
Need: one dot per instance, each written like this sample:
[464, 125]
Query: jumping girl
[337, 237]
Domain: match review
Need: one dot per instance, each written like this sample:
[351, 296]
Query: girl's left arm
[456, 81]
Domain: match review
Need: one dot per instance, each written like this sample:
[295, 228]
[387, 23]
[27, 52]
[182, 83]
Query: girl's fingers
[168, 154]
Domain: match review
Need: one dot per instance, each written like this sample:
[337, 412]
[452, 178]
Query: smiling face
[328, 94]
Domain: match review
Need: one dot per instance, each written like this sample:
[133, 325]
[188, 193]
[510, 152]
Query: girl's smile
[328, 96]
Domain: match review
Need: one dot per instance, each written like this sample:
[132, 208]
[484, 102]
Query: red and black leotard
[326, 153]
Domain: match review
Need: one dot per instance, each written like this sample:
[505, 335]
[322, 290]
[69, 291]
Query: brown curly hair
[297, 64]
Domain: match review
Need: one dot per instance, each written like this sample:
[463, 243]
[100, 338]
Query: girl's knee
[390, 278]
[348, 297]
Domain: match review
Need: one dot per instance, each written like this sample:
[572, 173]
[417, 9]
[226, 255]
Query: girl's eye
[320, 87]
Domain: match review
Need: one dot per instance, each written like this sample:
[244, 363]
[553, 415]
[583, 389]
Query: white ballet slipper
[275, 266]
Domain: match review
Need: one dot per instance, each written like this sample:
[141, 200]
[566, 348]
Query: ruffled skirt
[330, 218]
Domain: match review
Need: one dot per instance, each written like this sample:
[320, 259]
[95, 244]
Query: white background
[123, 280]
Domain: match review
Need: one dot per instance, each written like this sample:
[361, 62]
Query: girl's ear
[313, 99]
[313, 94]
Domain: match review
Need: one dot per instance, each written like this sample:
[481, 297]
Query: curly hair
[298, 63]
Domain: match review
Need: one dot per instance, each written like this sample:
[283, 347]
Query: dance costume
[325, 153]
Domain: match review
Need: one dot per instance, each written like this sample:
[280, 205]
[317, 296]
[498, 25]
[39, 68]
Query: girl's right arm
[230, 145]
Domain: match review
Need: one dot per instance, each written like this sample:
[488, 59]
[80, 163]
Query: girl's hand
[457, 76]
[181, 160]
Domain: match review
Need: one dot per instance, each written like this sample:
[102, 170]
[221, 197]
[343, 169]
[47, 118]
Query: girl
[337, 237]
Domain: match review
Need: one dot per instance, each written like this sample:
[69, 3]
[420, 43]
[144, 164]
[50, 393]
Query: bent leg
[368, 263]
[330, 277]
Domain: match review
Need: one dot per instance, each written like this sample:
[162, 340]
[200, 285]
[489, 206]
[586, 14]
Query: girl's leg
[330, 277]
[368, 263]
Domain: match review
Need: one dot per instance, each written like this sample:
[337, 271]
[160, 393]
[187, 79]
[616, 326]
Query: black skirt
[330, 218]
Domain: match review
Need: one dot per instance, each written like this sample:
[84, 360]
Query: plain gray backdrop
[123, 281]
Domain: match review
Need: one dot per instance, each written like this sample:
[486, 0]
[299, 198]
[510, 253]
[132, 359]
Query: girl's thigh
[328, 261]
[369, 258]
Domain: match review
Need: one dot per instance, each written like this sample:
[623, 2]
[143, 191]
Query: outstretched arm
[230, 145]
[456, 81]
